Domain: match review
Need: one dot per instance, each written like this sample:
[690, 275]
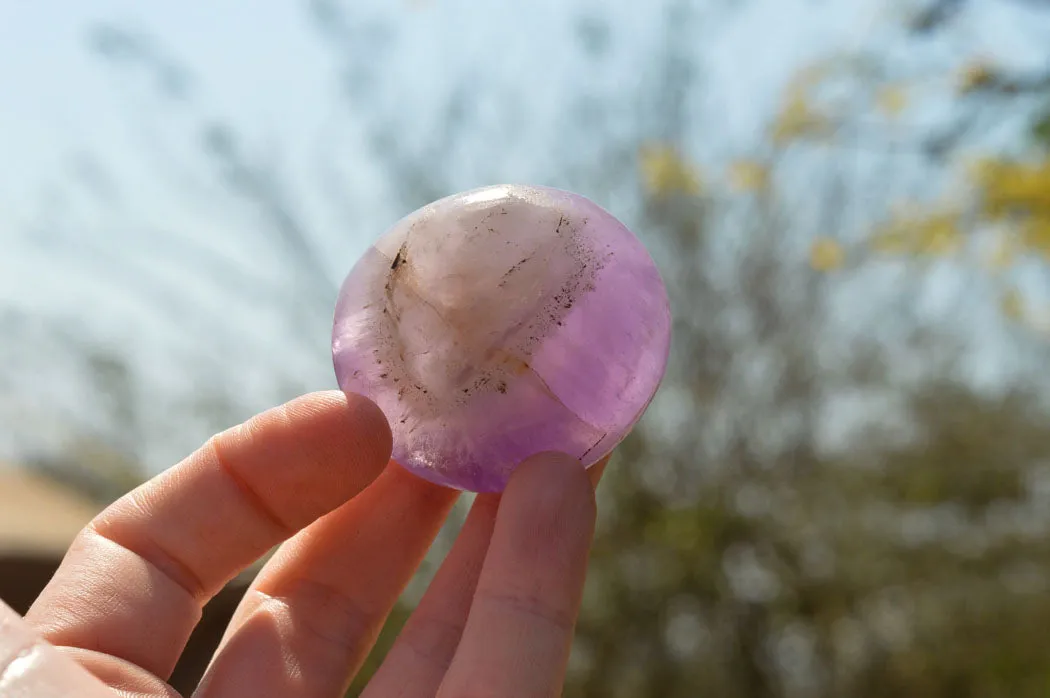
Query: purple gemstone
[499, 323]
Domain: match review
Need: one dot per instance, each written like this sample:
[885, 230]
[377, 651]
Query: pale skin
[315, 476]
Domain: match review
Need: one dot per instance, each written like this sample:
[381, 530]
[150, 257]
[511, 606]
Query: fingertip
[368, 419]
[307, 456]
[595, 472]
[553, 485]
[339, 425]
[530, 586]
[172, 543]
[549, 464]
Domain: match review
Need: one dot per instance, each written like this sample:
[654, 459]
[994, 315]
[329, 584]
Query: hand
[497, 619]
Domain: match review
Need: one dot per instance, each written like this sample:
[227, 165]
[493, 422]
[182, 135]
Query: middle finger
[314, 612]
[423, 651]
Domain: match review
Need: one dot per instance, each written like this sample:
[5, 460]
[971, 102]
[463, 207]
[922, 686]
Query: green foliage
[909, 569]
[1041, 128]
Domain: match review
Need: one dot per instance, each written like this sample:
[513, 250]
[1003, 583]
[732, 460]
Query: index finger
[31, 667]
[133, 584]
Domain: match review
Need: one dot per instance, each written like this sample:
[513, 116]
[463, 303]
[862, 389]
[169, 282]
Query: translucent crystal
[499, 323]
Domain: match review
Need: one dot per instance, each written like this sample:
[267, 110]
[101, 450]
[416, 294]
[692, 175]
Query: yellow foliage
[891, 100]
[798, 119]
[1035, 235]
[938, 233]
[975, 75]
[664, 172]
[1013, 188]
[826, 254]
[815, 73]
[1003, 253]
[1012, 304]
[1018, 192]
[891, 239]
[748, 176]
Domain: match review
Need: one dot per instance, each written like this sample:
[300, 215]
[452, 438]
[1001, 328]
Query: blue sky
[263, 69]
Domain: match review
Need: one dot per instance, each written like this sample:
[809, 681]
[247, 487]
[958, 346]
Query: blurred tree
[744, 549]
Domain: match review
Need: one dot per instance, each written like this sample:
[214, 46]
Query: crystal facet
[499, 323]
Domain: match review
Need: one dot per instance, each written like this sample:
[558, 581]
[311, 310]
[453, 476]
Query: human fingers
[134, 581]
[419, 658]
[31, 668]
[519, 630]
[314, 612]
[596, 471]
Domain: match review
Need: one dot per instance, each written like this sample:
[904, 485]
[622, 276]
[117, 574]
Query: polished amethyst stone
[499, 323]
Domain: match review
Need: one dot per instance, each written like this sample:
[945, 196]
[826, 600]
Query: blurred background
[842, 488]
